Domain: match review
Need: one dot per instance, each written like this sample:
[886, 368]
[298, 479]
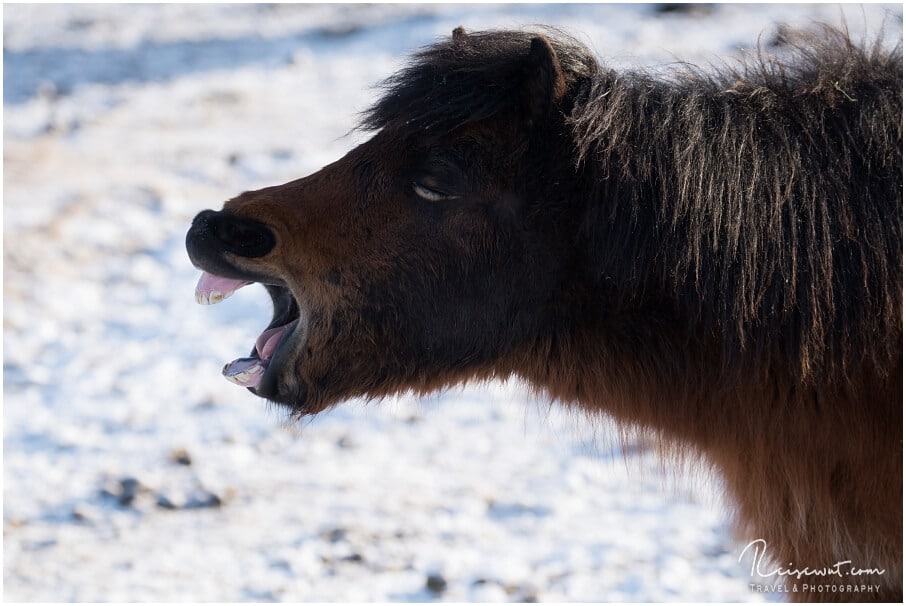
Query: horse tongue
[269, 340]
[213, 289]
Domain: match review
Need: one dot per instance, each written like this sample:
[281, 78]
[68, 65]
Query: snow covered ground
[134, 472]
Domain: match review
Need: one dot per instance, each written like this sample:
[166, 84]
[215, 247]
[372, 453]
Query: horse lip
[224, 267]
[269, 385]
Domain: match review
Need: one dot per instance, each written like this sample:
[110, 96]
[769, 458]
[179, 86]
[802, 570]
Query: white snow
[123, 121]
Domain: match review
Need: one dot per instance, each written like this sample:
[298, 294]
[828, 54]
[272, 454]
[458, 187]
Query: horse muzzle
[214, 235]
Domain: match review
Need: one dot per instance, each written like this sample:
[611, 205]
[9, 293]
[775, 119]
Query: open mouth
[258, 371]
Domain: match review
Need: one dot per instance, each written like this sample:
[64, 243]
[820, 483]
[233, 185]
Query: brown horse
[712, 256]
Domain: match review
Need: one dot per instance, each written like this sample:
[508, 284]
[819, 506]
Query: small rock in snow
[436, 583]
[181, 456]
[123, 490]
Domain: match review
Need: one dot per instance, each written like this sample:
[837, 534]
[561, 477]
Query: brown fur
[715, 257]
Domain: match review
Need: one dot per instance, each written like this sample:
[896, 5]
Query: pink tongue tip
[213, 289]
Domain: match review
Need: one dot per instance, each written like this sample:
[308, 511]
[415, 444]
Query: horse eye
[432, 195]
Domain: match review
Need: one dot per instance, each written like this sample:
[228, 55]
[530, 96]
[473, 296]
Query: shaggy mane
[725, 167]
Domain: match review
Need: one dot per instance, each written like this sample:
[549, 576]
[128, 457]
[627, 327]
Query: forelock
[464, 79]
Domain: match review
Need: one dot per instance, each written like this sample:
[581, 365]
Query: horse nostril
[243, 237]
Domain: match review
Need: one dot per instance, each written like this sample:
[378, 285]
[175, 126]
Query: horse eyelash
[432, 195]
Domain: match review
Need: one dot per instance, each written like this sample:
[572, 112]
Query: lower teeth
[245, 371]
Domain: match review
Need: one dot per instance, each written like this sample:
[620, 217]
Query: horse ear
[459, 35]
[544, 84]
